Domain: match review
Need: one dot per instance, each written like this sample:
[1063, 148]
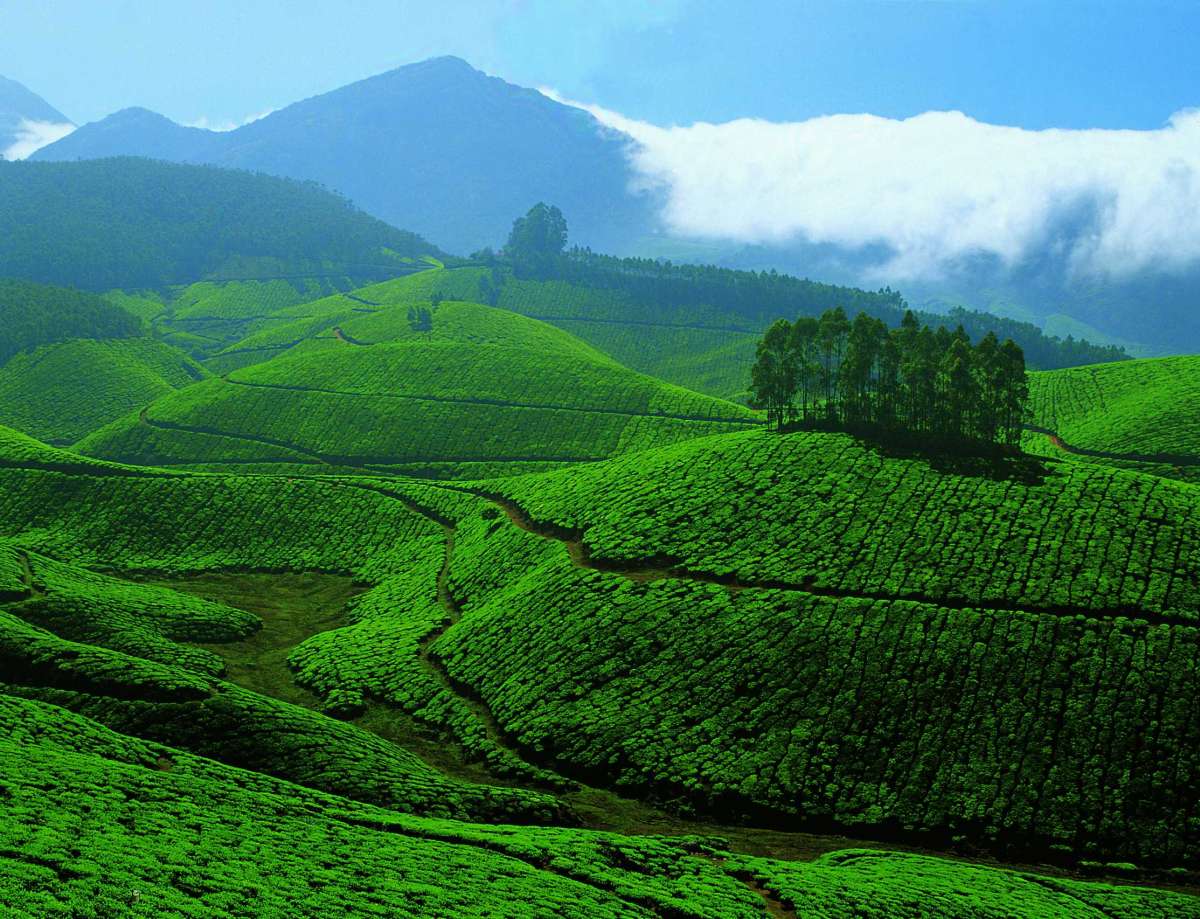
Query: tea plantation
[484, 386]
[61, 392]
[1138, 414]
[415, 599]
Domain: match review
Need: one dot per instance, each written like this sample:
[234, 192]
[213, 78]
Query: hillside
[60, 392]
[130, 223]
[164, 729]
[802, 626]
[1138, 414]
[32, 315]
[697, 326]
[482, 387]
[436, 146]
[174, 833]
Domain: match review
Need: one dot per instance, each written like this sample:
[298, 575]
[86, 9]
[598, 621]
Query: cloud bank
[933, 189]
[33, 135]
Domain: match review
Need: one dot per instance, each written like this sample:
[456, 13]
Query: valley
[372, 545]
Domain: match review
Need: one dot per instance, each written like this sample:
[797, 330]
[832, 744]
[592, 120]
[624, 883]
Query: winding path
[1161, 459]
[666, 568]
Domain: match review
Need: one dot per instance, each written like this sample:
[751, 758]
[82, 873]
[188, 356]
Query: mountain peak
[17, 101]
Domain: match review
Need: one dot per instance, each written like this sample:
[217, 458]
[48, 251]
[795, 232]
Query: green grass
[61, 392]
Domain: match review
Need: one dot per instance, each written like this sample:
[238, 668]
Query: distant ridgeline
[134, 223]
[911, 380]
[760, 296]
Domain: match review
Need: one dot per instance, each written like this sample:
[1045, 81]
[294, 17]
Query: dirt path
[1158, 459]
[665, 568]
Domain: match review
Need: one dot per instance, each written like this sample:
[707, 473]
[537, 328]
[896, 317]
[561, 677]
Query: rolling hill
[32, 315]
[436, 146]
[112, 696]
[802, 628]
[131, 223]
[698, 325]
[1137, 414]
[172, 833]
[368, 385]
[60, 392]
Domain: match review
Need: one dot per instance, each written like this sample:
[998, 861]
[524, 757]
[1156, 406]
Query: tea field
[1134, 414]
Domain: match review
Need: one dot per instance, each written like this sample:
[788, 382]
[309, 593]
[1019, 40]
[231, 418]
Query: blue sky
[1031, 63]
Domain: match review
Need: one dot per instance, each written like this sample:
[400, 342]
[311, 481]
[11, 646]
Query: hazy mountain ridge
[437, 147]
[20, 110]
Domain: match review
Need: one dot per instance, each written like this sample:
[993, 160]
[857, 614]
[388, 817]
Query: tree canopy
[538, 237]
[857, 374]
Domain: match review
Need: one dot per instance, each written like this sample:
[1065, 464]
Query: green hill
[172, 833]
[1139, 414]
[36, 314]
[111, 695]
[481, 389]
[133, 223]
[697, 325]
[61, 392]
[802, 627]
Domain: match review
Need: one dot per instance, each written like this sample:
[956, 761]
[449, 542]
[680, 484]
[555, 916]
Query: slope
[478, 386]
[803, 629]
[698, 325]
[26, 120]
[130, 223]
[171, 833]
[35, 314]
[470, 151]
[125, 708]
[60, 392]
[1138, 414]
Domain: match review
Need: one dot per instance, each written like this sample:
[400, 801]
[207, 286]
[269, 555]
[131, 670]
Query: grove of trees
[858, 374]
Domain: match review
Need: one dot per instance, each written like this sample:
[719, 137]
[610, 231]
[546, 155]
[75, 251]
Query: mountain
[133, 223]
[26, 120]
[436, 146]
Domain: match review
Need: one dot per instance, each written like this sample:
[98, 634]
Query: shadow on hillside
[974, 459]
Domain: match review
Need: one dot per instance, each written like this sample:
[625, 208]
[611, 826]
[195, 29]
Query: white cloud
[933, 188]
[225, 125]
[33, 135]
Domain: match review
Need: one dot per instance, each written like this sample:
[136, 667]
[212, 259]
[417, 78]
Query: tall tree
[831, 335]
[803, 343]
[773, 376]
[537, 239]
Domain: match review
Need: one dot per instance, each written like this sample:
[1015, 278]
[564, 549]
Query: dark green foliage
[910, 381]
[134, 223]
[537, 239]
[34, 314]
[763, 295]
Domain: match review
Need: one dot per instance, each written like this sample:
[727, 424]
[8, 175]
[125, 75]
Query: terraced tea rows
[1136, 414]
[485, 386]
[61, 392]
[825, 514]
[168, 832]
